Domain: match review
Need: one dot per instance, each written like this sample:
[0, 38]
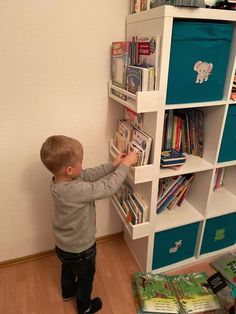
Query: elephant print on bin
[203, 70]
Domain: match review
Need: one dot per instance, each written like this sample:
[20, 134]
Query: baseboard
[48, 253]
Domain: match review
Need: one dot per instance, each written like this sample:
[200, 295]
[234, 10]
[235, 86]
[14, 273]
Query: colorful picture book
[139, 79]
[148, 53]
[120, 59]
[226, 265]
[186, 293]
[128, 138]
[134, 118]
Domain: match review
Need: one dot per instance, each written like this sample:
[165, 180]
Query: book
[224, 291]
[185, 293]
[125, 130]
[139, 5]
[226, 265]
[134, 118]
[119, 61]
[133, 205]
[148, 53]
[134, 81]
[143, 141]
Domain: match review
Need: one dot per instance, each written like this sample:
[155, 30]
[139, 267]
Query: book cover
[148, 53]
[226, 265]
[134, 81]
[143, 140]
[187, 293]
[134, 118]
[120, 60]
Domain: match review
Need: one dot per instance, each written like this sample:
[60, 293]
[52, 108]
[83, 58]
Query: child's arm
[96, 173]
[83, 192]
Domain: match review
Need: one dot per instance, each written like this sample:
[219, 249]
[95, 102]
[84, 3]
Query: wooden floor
[34, 288]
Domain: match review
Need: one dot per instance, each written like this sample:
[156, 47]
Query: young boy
[74, 191]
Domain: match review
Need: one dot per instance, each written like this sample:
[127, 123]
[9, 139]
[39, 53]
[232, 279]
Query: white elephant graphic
[203, 69]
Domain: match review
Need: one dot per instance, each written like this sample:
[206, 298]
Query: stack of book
[133, 205]
[128, 139]
[219, 178]
[172, 191]
[185, 293]
[172, 157]
[233, 92]
[134, 64]
[184, 131]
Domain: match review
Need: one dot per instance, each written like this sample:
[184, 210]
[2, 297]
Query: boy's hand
[130, 159]
[119, 159]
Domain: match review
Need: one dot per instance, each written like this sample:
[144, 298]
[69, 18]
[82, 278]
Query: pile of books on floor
[172, 191]
[133, 205]
[185, 293]
[129, 138]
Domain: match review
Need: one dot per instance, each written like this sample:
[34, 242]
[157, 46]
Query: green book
[185, 293]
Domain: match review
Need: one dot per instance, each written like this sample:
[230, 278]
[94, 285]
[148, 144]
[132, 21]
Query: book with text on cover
[226, 265]
[185, 293]
[120, 60]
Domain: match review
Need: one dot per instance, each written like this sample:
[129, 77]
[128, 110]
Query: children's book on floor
[226, 265]
[185, 293]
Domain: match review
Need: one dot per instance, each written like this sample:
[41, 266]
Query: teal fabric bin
[228, 143]
[198, 61]
[219, 233]
[174, 245]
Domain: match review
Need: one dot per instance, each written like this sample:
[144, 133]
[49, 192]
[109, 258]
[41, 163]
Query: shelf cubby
[223, 200]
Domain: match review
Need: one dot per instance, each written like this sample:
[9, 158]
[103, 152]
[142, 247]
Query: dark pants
[77, 275]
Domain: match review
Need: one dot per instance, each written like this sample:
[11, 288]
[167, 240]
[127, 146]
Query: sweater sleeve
[82, 192]
[96, 173]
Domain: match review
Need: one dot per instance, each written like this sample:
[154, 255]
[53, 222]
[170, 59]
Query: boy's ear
[68, 170]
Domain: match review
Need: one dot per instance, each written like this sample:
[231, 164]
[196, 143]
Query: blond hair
[59, 151]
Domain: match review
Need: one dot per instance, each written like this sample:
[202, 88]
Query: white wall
[54, 69]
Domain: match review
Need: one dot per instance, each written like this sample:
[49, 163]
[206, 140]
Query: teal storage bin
[219, 233]
[228, 143]
[174, 245]
[198, 61]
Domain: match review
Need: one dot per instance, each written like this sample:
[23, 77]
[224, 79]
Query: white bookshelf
[202, 203]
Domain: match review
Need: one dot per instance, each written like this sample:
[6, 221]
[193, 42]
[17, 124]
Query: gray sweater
[74, 223]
